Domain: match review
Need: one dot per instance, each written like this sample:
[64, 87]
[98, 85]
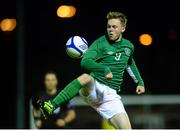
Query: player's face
[114, 29]
[51, 81]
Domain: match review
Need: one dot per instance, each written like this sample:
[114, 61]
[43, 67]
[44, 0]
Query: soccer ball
[76, 46]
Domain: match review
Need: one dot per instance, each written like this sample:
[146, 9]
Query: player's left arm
[134, 73]
[69, 117]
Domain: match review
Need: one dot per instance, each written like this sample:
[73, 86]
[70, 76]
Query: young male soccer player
[106, 59]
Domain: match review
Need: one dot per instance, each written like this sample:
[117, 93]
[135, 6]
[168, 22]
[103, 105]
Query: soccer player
[63, 115]
[105, 60]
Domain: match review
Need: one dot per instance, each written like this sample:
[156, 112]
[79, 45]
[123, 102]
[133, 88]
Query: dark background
[45, 36]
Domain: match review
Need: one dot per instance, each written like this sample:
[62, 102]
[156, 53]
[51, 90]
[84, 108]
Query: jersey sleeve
[89, 62]
[133, 71]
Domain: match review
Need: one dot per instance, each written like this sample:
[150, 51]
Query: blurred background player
[106, 59]
[62, 116]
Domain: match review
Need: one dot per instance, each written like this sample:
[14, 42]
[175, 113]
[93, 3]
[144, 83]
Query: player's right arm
[89, 62]
[37, 120]
[36, 112]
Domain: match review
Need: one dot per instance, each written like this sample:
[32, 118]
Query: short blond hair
[117, 15]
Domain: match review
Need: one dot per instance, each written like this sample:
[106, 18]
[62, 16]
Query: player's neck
[51, 92]
[119, 39]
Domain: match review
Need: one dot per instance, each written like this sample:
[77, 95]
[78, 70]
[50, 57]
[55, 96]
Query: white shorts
[104, 100]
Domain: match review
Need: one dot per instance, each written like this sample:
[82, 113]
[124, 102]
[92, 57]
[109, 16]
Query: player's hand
[140, 89]
[60, 123]
[38, 124]
[109, 76]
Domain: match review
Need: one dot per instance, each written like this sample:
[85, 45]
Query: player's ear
[123, 29]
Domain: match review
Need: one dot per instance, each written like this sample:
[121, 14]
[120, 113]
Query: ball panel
[80, 44]
[73, 53]
[69, 42]
[84, 40]
[75, 48]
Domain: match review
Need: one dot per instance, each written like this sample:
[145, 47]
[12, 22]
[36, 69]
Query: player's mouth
[111, 35]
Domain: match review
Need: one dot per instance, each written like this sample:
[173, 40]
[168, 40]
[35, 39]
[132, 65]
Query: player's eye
[114, 26]
[108, 26]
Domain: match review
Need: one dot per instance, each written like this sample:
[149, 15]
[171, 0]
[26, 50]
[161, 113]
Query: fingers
[140, 90]
[109, 76]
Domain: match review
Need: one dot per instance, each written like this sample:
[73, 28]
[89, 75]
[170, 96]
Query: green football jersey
[103, 57]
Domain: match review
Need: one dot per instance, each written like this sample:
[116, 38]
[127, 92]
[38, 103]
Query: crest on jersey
[127, 51]
[118, 56]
